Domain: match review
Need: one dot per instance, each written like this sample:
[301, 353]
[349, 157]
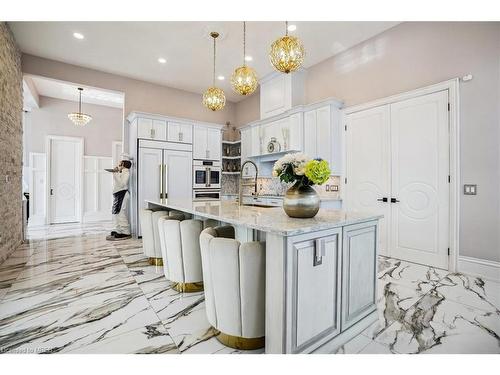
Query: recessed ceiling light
[292, 27]
[220, 78]
[78, 35]
[248, 58]
[161, 60]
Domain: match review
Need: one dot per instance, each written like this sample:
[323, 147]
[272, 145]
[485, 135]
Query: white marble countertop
[273, 220]
[321, 197]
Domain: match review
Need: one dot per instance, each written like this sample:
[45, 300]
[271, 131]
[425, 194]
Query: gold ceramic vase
[301, 201]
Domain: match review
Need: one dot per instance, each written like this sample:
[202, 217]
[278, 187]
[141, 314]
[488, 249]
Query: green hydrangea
[317, 171]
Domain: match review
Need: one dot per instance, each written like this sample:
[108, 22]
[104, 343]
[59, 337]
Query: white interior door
[65, 158]
[178, 176]
[368, 167]
[37, 188]
[420, 169]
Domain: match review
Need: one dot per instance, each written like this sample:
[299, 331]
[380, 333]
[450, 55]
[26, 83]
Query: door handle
[161, 182]
[394, 200]
[180, 136]
[319, 252]
[51, 191]
[384, 199]
[165, 187]
[207, 177]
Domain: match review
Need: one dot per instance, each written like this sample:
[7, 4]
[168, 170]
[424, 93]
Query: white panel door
[200, 145]
[65, 158]
[368, 167]
[420, 188]
[149, 179]
[97, 189]
[214, 143]
[178, 177]
[37, 188]
[324, 136]
[310, 134]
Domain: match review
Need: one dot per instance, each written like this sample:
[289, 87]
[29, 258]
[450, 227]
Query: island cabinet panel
[359, 276]
[315, 288]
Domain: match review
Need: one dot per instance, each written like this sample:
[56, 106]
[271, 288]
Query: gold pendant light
[244, 78]
[287, 53]
[79, 118]
[214, 97]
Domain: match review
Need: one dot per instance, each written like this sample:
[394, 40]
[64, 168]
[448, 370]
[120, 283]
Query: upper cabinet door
[214, 144]
[246, 143]
[180, 132]
[274, 96]
[294, 141]
[256, 141]
[310, 134]
[160, 130]
[324, 136]
[200, 142]
[145, 128]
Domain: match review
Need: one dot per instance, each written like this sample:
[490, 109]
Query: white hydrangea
[298, 161]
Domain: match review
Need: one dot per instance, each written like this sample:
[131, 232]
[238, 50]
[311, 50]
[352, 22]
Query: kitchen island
[320, 272]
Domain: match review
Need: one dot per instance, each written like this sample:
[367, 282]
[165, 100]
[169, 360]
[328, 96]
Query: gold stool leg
[188, 287]
[242, 343]
[155, 261]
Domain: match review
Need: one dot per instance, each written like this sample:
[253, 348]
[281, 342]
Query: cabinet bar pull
[165, 187]
[161, 182]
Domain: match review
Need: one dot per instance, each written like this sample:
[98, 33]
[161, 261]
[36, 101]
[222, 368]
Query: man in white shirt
[121, 197]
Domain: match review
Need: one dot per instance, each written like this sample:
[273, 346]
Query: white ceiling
[69, 91]
[132, 49]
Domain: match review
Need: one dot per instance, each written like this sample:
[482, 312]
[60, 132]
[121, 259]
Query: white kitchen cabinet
[280, 92]
[180, 132]
[207, 143]
[359, 274]
[322, 136]
[295, 132]
[247, 141]
[148, 128]
[316, 287]
[257, 146]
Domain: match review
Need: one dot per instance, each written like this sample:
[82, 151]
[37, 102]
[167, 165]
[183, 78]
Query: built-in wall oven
[206, 174]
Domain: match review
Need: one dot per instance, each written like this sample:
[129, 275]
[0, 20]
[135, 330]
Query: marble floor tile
[472, 291]
[376, 348]
[438, 325]
[151, 339]
[354, 346]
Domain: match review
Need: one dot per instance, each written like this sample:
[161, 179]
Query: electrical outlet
[470, 189]
[334, 187]
[327, 187]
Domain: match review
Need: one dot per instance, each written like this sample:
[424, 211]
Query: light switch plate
[334, 187]
[470, 189]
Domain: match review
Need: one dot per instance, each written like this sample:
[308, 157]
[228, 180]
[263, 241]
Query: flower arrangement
[301, 169]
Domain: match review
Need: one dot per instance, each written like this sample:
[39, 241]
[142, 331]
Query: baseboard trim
[487, 269]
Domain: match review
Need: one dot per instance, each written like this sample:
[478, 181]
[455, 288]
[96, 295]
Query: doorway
[64, 177]
[407, 172]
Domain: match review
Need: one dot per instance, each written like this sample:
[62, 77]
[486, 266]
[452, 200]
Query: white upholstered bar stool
[181, 250]
[150, 236]
[235, 285]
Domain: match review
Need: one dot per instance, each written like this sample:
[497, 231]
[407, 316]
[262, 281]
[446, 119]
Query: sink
[259, 205]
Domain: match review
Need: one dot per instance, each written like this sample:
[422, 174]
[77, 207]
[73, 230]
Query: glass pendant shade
[287, 53]
[244, 79]
[79, 118]
[214, 98]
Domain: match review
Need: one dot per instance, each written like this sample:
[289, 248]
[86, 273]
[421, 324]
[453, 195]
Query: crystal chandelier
[244, 78]
[79, 118]
[287, 53]
[214, 97]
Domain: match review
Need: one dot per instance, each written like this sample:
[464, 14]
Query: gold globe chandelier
[244, 79]
[79, 118]
[214, 97]
[287, 53]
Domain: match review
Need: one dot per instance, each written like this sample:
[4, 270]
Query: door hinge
[448, 251]
[345, 180]
[449, 179]
[345, 127]
[449, 107]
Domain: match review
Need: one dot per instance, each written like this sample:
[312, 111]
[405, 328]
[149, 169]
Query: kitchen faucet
[240, 195]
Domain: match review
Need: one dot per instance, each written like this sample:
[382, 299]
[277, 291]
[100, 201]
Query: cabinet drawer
[359, 262]
[316, 288]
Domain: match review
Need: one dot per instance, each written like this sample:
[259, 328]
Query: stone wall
[11, 106]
